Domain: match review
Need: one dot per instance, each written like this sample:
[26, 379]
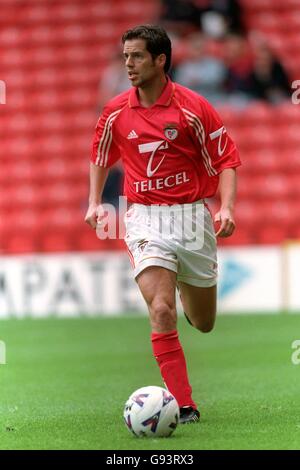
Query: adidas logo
[132, 135]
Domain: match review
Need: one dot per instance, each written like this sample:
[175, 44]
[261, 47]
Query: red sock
[169, 355]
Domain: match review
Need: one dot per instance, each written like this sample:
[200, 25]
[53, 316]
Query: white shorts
[180, 238]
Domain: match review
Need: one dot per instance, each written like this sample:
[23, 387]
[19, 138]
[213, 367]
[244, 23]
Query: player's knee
[163, 316]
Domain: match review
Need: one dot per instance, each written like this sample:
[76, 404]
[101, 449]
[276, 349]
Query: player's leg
[199, 305]
[197, 273]
[158, 286]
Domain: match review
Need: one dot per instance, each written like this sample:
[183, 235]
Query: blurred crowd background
[62, 61]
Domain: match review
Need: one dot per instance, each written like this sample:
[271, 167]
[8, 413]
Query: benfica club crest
[171, 131]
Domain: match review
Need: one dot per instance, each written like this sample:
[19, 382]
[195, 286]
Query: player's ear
[161, 60]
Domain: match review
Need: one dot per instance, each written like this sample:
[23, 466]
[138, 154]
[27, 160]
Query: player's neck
[149, 93]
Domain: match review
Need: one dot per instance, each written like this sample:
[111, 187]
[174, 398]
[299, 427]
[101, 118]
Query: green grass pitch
[66, 381]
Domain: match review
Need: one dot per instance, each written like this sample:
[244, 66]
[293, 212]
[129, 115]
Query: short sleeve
[104, 149]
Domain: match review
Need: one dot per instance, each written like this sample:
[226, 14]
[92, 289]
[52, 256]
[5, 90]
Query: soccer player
[175, 152]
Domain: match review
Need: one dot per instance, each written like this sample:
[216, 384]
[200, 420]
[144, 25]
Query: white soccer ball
[151, 411]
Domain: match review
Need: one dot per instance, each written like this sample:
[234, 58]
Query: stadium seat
[263, 162]
[65, 194]
[272, 234]
[19, 243]
[61, 218]
[257, 5]
[241, 236]
[295, 232]
[87, 241]
[258, 113]
[26, 196]
[23, 220]
[248, 213]
[273, 186]
[57, 242]
[279, 211]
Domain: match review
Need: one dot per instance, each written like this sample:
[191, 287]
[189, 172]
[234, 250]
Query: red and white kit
[172, 153]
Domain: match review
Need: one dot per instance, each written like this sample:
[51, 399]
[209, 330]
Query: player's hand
[227, 225]
[92, 215]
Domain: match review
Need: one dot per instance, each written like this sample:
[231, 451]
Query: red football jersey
[172, 152]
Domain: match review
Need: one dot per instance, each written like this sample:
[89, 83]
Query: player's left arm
[224, 159]
[227, 189]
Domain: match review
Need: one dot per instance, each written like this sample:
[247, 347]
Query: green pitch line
[66, 381]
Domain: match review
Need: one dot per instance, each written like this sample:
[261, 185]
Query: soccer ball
[151, 411]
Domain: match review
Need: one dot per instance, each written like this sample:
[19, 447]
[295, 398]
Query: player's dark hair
[157, 41]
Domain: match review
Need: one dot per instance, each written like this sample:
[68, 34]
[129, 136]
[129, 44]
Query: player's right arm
[104, 154]
[98, 177]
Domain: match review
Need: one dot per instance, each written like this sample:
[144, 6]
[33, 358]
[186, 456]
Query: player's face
[141, 67]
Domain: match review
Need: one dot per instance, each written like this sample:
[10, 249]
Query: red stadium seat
[21, 172]
[26, 196]
[88, 241]
[248, 213]
[56, 242]
[258, 113]
[295, 232]
[36, 13]
[273, 186]
[257, 5]
[247, 187]
[272, 234]
[61, 219]
[279, 211]
[21, 243]
[65, 194]
[23, 220]
[263, 162]
[241, 236]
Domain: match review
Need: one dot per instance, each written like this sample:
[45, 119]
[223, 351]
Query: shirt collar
[163, 100]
